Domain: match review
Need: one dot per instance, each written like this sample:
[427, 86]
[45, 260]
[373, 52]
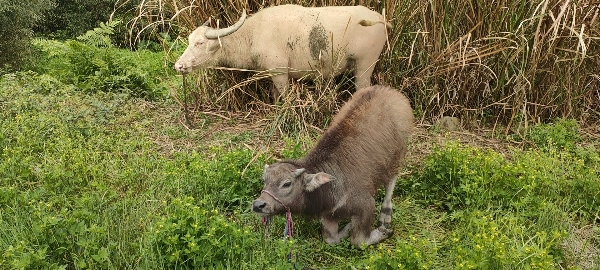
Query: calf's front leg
[330, 231]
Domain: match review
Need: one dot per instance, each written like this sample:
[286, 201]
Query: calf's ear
[316, 180]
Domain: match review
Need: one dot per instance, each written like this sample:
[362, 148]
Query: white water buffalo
[292, 41]
[338, 179]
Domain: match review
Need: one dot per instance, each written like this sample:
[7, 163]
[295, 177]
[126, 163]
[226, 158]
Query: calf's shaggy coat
[338, 179]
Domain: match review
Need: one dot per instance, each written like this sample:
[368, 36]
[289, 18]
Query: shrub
[72, 18]
[405, 254]
[54, 238]
[62, 180]
[102, 69]
[220, 174]
[562, 134]
[191, 234]
[457, 177]
[505, 241]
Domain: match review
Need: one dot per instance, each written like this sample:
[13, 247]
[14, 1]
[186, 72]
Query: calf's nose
[258, 205]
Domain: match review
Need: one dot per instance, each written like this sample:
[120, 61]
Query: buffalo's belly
[318, 68]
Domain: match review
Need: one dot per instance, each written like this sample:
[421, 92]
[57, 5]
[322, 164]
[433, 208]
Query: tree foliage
[72, 18]
[100, 36]
[17, 18]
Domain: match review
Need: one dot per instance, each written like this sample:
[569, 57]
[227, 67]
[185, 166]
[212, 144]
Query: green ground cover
[97, 177]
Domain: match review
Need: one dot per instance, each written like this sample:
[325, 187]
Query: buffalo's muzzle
[180, 68]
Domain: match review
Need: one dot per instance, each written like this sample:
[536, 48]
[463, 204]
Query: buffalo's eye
[287, 184]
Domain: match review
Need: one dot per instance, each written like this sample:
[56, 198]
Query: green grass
[107, 180]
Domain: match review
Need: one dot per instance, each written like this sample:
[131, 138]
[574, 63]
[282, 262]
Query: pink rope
[289, 226]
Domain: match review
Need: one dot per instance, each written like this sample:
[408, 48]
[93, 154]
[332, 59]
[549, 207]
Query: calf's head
[284, 184]
[203, 44]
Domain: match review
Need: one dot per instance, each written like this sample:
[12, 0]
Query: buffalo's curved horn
[216, 33]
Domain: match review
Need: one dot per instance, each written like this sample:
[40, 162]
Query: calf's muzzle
[258, 205]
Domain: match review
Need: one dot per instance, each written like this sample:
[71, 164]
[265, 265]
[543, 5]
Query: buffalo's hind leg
[363, 71]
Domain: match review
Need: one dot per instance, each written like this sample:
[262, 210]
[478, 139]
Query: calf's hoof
[385, 230]
[386, 225]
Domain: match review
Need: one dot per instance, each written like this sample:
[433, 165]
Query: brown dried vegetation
[504, 64]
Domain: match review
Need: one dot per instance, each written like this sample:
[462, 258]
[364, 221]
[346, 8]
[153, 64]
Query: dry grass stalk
[503, 63]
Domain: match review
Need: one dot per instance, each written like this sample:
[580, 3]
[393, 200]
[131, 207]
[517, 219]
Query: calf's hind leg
[362, 224]
[330, 231]
[385, 217]
[360, 237]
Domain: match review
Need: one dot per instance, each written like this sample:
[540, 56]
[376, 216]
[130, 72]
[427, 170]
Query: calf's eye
[287, 184]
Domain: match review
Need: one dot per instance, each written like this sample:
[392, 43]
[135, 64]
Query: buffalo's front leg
[280, 86]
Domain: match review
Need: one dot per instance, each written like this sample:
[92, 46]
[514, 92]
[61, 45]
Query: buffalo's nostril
[258, 205]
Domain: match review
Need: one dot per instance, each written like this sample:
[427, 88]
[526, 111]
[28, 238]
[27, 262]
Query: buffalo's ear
[316, 180]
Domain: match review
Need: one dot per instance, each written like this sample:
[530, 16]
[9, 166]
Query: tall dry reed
[502, 63]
